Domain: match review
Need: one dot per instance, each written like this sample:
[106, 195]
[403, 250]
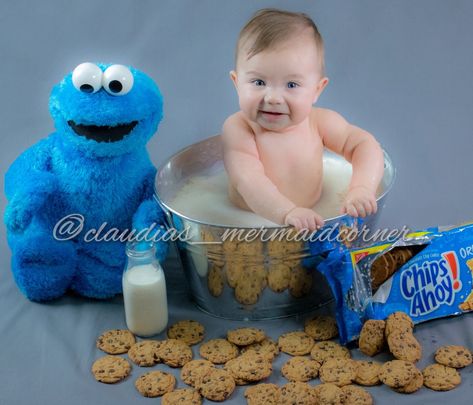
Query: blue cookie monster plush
[93, 172]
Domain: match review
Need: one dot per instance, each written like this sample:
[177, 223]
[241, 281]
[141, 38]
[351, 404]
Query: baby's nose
[273, 97]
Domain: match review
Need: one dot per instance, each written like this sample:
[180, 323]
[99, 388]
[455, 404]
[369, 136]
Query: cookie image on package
[116, 341]
[321, 327]
[301, 369]
[155, 383]
[189, 331]
[268, 394]
[372, 340]
[174, 353]
[110, 369]
[441, 378]
[467, 305]
[245, 336]
[329, 394]
[218, 351]
[183, 396]
[453, 356]
[295, 343]
[145, 353]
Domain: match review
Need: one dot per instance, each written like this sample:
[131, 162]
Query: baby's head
[279, 70]
[270, 28]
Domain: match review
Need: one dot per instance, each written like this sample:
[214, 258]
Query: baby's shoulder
[236, 123]
[323, 114]
[327, 121]
[236, 119]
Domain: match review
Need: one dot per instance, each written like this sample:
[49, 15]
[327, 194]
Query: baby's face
[277, 87]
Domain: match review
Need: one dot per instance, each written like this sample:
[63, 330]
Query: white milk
[144, 295]
[205, 198]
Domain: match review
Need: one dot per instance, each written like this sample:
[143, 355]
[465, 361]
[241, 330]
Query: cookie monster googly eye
[117, 80]
[87, 77]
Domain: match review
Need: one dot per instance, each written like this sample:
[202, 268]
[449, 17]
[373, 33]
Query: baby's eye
[258, 82]
[292, 85]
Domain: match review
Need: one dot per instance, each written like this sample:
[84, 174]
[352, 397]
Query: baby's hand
[304, 218]
[359, 202]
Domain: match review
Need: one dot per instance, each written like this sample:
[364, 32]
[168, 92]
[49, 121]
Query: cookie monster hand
[17, 215]
[28, 199]
[150, 216]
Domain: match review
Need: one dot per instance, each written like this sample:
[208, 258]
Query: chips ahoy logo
[430, 284]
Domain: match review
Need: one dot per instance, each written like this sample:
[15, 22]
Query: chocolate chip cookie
[110, 369]
[300, 368]
[155, 383]
[116, 341]
[295, 343]
[189, 331]
[321, 327]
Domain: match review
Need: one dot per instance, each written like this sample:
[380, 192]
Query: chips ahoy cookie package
[427, 274]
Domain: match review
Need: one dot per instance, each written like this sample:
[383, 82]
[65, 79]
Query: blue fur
[67, 174]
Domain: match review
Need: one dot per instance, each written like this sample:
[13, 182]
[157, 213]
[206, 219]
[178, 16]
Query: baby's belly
[299, 181]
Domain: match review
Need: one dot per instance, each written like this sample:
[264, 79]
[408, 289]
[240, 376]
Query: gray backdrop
[401, 69]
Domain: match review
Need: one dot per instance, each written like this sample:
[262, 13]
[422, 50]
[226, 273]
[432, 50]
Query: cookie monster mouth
[103, 133]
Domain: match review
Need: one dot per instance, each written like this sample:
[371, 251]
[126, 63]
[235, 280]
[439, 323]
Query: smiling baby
[273, 146]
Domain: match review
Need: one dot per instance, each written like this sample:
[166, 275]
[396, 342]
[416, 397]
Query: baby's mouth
[103, 133]
[272, 113]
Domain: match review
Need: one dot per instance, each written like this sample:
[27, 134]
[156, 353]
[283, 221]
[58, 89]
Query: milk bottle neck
[141, 253]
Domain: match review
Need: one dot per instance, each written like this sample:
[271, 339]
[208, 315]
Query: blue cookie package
[426, 274]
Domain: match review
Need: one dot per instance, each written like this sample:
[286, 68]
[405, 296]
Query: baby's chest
[290, 156]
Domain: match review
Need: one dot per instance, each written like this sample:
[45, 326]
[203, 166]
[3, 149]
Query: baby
[273, 147]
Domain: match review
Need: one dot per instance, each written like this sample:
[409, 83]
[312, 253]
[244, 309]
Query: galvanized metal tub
[244, 280]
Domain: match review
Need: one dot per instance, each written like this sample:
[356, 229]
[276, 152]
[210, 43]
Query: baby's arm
[246, 175]
[363, 151]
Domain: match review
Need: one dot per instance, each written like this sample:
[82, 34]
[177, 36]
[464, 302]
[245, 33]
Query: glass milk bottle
[144, 290]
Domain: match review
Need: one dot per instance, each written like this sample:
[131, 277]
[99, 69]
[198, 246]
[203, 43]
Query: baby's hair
[270, 27]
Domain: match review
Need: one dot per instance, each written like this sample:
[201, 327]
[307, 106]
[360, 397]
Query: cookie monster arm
[28, 184]
[149, 215]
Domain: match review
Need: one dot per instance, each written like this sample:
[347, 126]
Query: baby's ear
[233, 76]
[320, 87]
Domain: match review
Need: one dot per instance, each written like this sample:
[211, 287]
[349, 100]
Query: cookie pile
[242, 266]
[397, 334]
[245, 357]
